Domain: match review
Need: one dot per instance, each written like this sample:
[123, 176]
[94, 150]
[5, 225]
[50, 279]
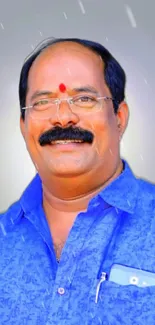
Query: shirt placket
[68, 272]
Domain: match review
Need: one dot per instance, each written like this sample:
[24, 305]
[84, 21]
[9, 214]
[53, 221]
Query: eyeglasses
[84, 104]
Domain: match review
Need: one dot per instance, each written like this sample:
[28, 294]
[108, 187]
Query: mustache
[68, 133]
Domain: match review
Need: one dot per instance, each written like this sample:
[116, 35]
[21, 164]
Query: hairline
[44, 49]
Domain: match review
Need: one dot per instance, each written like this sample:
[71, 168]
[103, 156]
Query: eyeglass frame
[58, 101]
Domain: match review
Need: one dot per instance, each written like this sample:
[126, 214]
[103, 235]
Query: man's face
[76, 67]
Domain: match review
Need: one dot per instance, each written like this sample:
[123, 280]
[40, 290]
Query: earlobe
[122, 117]
[119, 129]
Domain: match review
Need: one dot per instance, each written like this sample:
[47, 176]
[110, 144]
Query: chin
[70, 170]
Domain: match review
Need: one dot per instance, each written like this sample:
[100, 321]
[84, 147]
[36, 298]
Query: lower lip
[68, 146]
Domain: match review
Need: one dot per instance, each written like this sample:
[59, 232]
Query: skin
[72, 175]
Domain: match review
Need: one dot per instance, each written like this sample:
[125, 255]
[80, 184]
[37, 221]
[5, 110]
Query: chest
[30, 275]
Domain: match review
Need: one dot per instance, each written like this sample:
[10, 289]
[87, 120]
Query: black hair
[114, 74]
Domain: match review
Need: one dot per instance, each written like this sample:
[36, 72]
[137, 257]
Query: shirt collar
[122, 192]
[32, 196]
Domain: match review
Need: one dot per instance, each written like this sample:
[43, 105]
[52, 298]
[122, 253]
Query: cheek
[104, 128]
[103, 124]
[33, 129]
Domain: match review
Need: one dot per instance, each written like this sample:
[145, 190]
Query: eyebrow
[83, 89]
[41, 93]
[86, 89]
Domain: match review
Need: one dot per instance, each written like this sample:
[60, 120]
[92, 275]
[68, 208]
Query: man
[78, 247]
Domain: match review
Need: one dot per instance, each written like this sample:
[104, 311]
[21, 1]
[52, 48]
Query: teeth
[65, 141]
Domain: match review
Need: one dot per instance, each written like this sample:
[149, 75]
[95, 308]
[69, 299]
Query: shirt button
[61, 291]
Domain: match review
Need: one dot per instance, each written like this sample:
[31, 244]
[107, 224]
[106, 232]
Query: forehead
[68, 63]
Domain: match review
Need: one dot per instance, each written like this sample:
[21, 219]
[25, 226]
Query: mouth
[73, 145]
[65, 142]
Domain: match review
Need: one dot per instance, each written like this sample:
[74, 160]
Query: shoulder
[31, 197]
[10, 217]
[146, 196]
[146, 187]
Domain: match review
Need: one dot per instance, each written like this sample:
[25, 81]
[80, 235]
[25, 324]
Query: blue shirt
[117, 228]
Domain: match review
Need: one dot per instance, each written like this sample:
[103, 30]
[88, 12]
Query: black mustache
[68, 133]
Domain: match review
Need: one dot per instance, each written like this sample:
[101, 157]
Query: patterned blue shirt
[117, 228]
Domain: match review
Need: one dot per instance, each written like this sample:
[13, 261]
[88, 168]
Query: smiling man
[78, 245]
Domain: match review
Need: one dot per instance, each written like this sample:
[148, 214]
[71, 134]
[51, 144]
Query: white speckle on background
[82, 7]
[48, 291]
[141, 157]
[130, 16]
[100, 320]
[2, 25]
[41, 34]
[145, 81]
[65, 15]
[107, 39]
[12, 221]
[23, 239]
[3, 229]
[43, 304]
[111, 152]
[32, 46]
[129, 203]
[69, 72]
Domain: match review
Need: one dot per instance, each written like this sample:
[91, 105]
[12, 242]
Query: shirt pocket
[123, 304]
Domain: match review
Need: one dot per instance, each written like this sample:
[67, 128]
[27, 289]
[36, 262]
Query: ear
[122, 117]
[22, 127]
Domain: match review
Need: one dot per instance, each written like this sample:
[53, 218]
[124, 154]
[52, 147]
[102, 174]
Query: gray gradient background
[127, 29]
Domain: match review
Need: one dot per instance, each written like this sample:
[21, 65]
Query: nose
[64, 116]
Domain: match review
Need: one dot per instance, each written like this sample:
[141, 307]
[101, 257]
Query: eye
[85, 99]
[41, 102]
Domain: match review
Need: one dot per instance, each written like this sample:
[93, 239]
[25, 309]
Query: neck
[60, 198]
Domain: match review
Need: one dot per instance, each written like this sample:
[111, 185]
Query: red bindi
[62, 87]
